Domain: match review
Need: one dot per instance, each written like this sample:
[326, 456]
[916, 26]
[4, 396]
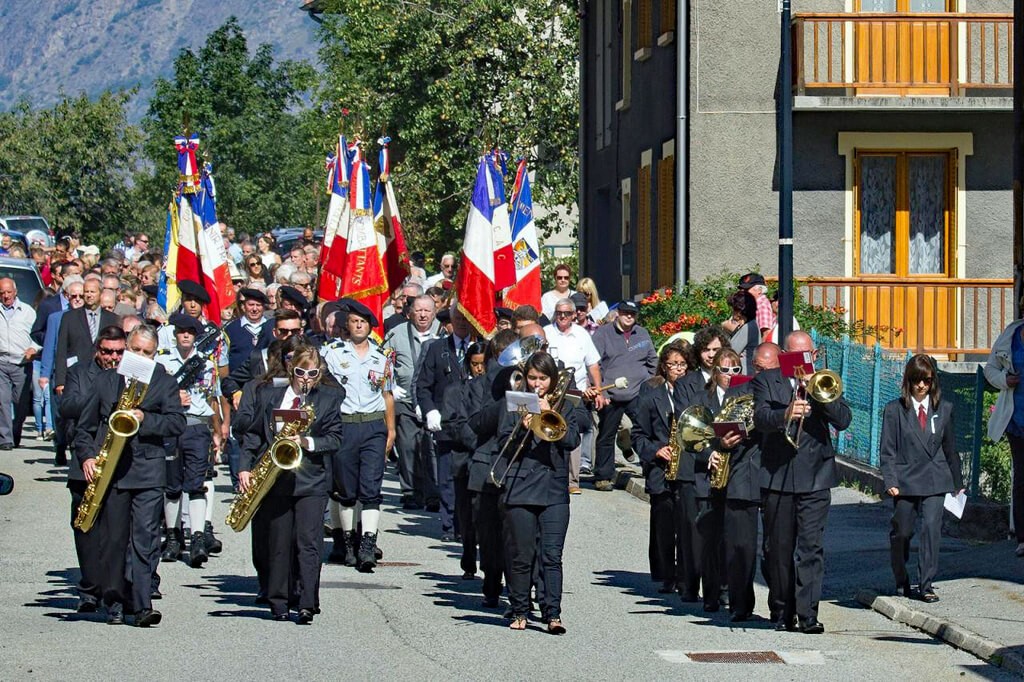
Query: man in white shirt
[17, 350]
[447, 271]
[563, 277]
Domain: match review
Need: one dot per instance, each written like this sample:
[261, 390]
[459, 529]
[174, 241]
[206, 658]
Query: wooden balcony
[944, 317]
[952, 55]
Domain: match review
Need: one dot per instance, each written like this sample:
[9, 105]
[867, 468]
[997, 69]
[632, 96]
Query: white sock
[186, 518]
[172, 513]
[370, 519]
[347, 516]
[209, 501]
[197, 512]
[335, 510]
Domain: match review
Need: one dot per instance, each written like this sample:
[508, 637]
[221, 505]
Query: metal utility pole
[1018, 153]
[786, 174]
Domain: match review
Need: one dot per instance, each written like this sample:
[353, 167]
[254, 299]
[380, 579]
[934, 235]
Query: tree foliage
[246, 109]
[73, 164]
[447, 79]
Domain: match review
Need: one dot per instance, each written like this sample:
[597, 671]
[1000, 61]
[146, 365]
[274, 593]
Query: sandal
[518, 623]
[555, 626]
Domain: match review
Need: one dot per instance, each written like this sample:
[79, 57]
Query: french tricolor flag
[525, 245]
[338, 212]
[504, 263]
[364, 278]
[396, 255]
[475, 285]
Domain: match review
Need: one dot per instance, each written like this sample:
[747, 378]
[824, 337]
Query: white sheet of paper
[135, 366]
[528, 401]
[599, 312]
[955, 505]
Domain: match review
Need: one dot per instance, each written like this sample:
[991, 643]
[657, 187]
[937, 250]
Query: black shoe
[741, 617]
[378, 553]
[6, 446]
[146, 618]
[351, 548]
[115, 614]
[466, 575]
[213, 545]
[86, 605]
[785, 624]
[365, 558]
[279, 616]
[197, 555]
[811, 626]
[305, 617]
[337, 555]
[711, 606]
[433, 506]
[667, 587]
[156, 594]
[173, 548]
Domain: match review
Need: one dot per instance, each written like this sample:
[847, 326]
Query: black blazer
[919, 462]
[479, 433]
[540, 475]
[690, 387]
[142, 465]
[78, 386]
[313, 476]
[784, 469]
[439, 368]
[74, 340]
[744, 460]
[654, 414]
[253, 368]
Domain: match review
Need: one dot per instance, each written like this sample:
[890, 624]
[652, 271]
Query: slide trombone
[823, 386]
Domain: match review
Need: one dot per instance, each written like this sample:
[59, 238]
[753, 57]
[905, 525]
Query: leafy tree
[244, 107]
[73, 164]
[447, 79]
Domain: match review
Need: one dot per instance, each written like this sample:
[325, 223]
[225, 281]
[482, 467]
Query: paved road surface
[421, 621]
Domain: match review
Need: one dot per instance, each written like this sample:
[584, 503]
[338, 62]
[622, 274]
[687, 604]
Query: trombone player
[796, 485]
[128, 523]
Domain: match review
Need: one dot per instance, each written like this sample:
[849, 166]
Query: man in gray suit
[407, 341]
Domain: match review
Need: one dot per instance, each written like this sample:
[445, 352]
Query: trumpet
[823, 386]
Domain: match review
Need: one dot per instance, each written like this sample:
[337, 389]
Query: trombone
[823, 386]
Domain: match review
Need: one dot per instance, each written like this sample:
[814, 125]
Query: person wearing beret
[368, 432]
[504, 316]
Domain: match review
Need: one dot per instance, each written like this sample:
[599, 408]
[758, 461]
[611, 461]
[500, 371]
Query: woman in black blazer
[535, 500]
[670, 546]
[920, 465]
[292, 512]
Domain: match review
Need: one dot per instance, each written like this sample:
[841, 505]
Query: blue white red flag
[474, 285]
[525, 245]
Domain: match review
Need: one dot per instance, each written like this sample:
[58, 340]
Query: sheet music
[135, 366]
[517, 400]
[955, 505]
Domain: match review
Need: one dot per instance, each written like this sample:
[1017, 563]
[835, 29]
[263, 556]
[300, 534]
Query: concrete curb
[988, 650]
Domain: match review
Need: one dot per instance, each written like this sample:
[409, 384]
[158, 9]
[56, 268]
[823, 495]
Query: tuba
[282, 455]
[121, 425]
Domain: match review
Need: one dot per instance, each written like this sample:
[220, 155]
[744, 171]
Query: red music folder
[723, 429]
[796, 364]
[739, 380]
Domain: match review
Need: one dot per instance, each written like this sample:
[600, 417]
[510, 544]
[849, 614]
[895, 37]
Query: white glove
[419, 413]
[433, 421]
[399, 393]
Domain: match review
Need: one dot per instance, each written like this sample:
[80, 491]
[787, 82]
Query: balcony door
[905, 239]
[898, 54]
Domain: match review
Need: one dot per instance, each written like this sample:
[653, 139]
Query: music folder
[723, 429]
[516, 401]
[796, 364]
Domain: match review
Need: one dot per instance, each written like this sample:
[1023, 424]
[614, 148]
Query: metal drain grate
[396, 564]
[735, 657]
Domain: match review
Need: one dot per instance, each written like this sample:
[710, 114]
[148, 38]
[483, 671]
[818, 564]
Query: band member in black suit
[706, 342]
[292, 512]
[129, 520]
[80, 380]
[919, 465]
[535, 500]
[743, 499]
[670, 547]
[79, 328]
[797, 485]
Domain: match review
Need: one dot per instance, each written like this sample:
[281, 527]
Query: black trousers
[85, 547]
[415, 475]
[671, 547]
[710, 523]
[464, 517]
[905, 513]
[445, 486]
[359, 464]
[295, 541]
[604, 449]
[188, 460]
[690, 550]
[522, 525]
[259, 527]
[129, 528]
[1017, 486]
[487, 522]
[740, 529]
[794, 524]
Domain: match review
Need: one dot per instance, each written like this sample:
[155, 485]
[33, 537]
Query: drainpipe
[682, 139]
[581, 201]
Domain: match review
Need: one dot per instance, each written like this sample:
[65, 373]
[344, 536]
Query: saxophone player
[128, 523]
[292, 511]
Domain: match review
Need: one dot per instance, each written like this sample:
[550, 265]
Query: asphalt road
[419, 620]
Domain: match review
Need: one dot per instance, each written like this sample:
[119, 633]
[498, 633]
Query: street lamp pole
[786, 174]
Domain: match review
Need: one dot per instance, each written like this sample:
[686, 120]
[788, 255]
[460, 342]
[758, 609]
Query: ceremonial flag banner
[339, 211]
[188, 243]
[168, 296]
[504, 263]
[364, 278]
[475, 283]
[396, 255]
[525, 246]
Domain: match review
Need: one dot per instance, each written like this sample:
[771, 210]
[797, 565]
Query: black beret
[183, 321]
[193, 290]
[293, 295]
[150, 290]
[503, 313]
[357, 308]
[254, 295]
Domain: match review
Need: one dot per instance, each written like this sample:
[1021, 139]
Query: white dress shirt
[575, 348]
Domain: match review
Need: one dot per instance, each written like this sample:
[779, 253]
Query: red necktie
[921, 417]
[295, 406]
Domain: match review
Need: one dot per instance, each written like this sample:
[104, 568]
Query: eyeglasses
[111, 351]
[283, 331]
[144, 240]
[730, 370]
[566, 313]
[675, 365]
[306, 373]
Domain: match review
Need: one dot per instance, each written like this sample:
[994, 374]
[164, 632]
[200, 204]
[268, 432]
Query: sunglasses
[306, 373]
[562, 277]
[729, 370]
[74, 297]
[928, 381]
[287, 332]
[566, 313]
[111, 351]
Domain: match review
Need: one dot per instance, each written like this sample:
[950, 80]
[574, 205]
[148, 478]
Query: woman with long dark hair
[535, 499]
[919, 465]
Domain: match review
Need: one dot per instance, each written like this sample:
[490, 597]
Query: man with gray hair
[402, 302]
[447, 271]
[407, 341]
[17, 350]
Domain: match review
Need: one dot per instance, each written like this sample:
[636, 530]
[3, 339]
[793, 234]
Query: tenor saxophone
[282, 455]
[673, 464]
[121, 426]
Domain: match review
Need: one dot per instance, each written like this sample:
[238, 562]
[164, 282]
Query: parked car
[287, 238]
[26, 277]
[33, 228]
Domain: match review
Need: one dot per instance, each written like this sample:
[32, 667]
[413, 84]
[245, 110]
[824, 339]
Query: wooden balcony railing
[902, 54]
[951, 317]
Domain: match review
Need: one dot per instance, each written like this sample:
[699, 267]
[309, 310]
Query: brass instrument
[823, 386]
[694, 432]
[549, 426]
[675, 444]
[284, 454]
[121, 425]
[738, 408]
